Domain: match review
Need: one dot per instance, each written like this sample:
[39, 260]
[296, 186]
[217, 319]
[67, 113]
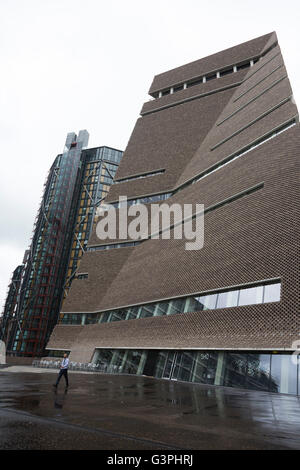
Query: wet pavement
[129, 412]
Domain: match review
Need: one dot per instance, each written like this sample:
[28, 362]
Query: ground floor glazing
[265, 371]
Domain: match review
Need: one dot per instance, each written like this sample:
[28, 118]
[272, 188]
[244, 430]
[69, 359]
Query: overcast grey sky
[68, 65]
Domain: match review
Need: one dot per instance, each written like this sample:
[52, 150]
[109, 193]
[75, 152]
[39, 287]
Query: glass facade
[142, 200]
[98, 168]
[262, 292]
[112, 246]
[136, 177]
[39, 299]
[78, 181]
[125, 361]
[11, 303]
[265, 371]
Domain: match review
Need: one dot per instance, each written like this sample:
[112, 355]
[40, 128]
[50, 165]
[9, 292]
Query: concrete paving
[128, 412]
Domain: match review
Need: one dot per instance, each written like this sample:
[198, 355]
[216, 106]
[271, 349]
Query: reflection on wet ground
[142, 412]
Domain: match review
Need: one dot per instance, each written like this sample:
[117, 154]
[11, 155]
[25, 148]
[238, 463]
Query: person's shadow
[59, 400]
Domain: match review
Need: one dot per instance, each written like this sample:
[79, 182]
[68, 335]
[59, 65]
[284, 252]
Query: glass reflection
[208, 301]
[284, 373]
[257, 371]
[228, 299]
[251, 296]
[272, 293]
[162, 308]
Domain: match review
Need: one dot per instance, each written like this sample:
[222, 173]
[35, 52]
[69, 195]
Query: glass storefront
[263, 371]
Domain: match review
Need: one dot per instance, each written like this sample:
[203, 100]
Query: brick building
[222, 131]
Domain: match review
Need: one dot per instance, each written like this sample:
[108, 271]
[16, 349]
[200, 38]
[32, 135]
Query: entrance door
[151, 361]
[171, 366]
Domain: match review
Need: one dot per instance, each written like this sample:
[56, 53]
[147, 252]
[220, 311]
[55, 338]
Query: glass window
[160, 364]
[105, 317]
[226, 72]
[193, 304]
[235, 370]
[147, 311]
[117, 315]
[177, 306]
[183, 366]
[250, 296]
[272, 293]
[208, 301]
[283, 374]
[258, 371]
[228, 299]
[132, 313]
[162, 308]
[178, 88]
[211, 77]
[243, 66]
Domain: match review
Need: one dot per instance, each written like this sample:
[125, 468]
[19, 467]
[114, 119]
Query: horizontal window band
[258, 83]
[58, 349]
[215, 73]
[131, 201]
[270, 350]
[81, 276]
[210, 73]
[254, 121]
[242, 151]
[87, 162]
[211, 208]
[140, 175]
[110, 246]
[235, 197]
[261, 67]
[252, 100]
[191, 98]
[210, 298]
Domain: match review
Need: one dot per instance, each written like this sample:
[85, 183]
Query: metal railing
[79, 366]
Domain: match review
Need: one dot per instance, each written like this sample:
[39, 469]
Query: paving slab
[126, 412]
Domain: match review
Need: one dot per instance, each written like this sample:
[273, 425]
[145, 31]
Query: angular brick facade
[255, 237]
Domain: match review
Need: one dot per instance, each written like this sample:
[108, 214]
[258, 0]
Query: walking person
[63, 371]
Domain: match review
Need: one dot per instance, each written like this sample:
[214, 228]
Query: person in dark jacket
[63, 371]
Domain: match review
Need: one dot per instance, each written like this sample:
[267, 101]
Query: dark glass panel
[167, 373]
[133, 313]
[177, 306]
[235, 371]
[258, 371]
[117, 315]
[244, 66]
[211, 77]
[132, 362]
[226, 72]
[162, 308]
[147, 311]
[183, 366]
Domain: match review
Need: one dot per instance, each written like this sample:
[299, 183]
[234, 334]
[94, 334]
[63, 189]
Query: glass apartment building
[78, 181]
